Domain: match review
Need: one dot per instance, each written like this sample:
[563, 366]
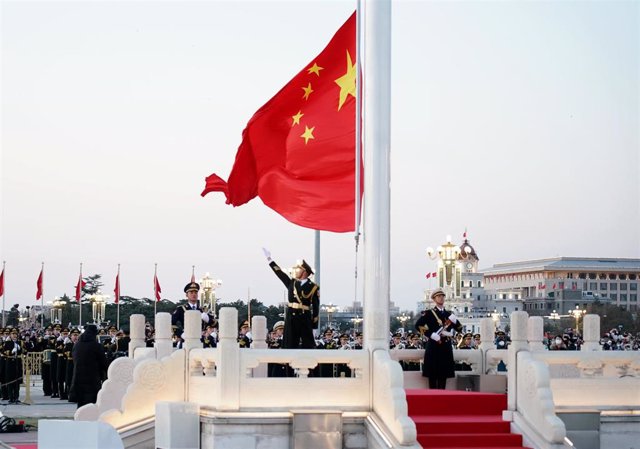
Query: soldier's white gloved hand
[205, 317]
[435, 337]
[267, 254]
[453, 318]
[67, 340]
[15, 350]
[446, 334]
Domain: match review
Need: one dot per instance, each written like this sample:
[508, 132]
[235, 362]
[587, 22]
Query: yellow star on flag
[296, 118]
[308, 134]
[307, 91]
[347, 82]
[315, 69]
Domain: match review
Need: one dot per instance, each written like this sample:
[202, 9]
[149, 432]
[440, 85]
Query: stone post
[163, 344]
[519, 321]
[192, 330]
[487, 330]
[535, 333]
[228, 369]
[259, 334]
[136, 329]
[591, 333]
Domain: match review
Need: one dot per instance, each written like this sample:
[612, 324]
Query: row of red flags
[81, 283]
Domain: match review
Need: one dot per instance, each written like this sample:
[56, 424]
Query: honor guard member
[61, 369]
[208, 338]
[275, 342]
[68, 354]
[301, 316]
[48, 347]
[12, 351]
[439, 326]
[243, 335]
[191, 290]
[55, 393]
[4, 389]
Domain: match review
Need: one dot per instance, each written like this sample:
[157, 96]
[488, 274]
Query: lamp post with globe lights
[449, 269]
[329, 309]
[356, 322]
[208, 295]
[577, 313]
[98, 306]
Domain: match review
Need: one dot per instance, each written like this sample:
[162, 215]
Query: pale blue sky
[518, 120]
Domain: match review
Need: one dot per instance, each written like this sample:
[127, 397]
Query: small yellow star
[296, 118]
[308, 134]
[315, 69]
[307, 91]
[347, 82]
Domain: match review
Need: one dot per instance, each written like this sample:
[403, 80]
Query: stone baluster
[192, 330]
[591, 333]
[487, 334]
[535, 333]
[228, 369]
[163, 343]
[519, 325]
[259, 336]
[136, 328]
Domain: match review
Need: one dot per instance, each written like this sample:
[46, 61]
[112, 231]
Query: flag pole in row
[40, 291]
[116, 292]
[2, 294]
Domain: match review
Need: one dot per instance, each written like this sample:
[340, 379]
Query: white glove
[435, 337]
[446, 334]
[205, 317]
[67, 340]
[267, 254]
[14, 350]
[453, 318]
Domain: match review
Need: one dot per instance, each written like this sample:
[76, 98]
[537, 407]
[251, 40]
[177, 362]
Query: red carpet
[24, 446]
[461, 420]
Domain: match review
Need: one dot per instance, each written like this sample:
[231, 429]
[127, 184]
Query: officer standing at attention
[301, 315]
[191, 289]
[439, 326]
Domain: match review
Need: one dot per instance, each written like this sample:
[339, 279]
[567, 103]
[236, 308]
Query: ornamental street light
[403, 319]
[98, 306]
[356, 321]
[449, 268]
[329, 309]
[208, 295]
[56, 310]
[577, 313]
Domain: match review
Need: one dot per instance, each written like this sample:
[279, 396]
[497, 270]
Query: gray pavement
[42, 407]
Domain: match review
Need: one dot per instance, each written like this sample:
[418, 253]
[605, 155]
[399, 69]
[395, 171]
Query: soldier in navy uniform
[244, 341]
[68, 355]
[301, 316]
[439, 326]
[191, 290]
[12, 352]
[61, 367]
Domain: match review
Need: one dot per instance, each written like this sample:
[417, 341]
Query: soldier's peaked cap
[436, 292]
[304, 265]
[278, 325]
[192, 286]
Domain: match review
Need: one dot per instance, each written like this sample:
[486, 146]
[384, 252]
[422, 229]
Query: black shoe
[54, 395]
[63, 398]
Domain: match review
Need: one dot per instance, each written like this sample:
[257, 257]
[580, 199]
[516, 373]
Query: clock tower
[468, 257]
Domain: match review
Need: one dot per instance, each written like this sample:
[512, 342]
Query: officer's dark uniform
[68, 355]
[12, 351]
[243, 341]
[438, 355]
[278, 369]
[53, 341]
[301, 315]
[4, 389]
[178, 313]
[61, 368]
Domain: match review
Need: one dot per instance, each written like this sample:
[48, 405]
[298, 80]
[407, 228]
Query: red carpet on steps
[448, 419]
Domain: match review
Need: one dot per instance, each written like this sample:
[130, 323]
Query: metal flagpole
[249, 305]
[3, 299]
[118, 299]
[80, 298]
[42, 317]
[155, 294]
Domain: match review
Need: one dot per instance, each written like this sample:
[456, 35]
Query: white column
[519, 321]
[259, 341]
[377, 176]
[136, 329]
[229, 360]
[535, 333]
[163, 343]
[591, 333]
[487, 334]
[192, 329]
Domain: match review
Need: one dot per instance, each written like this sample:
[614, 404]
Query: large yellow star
[307, 91]
[315, 69]
[296, 118]
[308, 134]
[347, 82]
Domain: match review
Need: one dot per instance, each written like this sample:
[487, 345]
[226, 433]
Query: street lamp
[403, 319]
[356, 321]
[208, 295]
[56, 311]
[496, 318]
[449, 271]
[98, 306]
[329, 308]
[577, 313]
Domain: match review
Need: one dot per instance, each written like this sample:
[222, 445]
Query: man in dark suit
[191, 290]
[439, 326]
[89, 367]
[302, 310]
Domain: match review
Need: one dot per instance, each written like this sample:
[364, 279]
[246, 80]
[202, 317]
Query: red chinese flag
[39, 285]
[298, 150]
[156, 287]
[434, 274]
[116, 290]
[2, 283]
[79, 286]
[428, 275]
[554, 286]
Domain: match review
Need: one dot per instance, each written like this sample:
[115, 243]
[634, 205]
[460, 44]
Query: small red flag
[434, 274]
[39, 284]
[156, 287]
[464, 236]
[116, 290]
[554, 286]
[2, 283]
[81, 283]
[428, 275]
[298, 150]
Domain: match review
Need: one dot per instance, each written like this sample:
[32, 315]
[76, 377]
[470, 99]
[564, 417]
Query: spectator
[89, 367]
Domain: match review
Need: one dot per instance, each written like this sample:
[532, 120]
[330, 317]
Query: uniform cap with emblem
[57, 326]
[245, 323]
[436, 292]
[468, 335]
[192, 286]
[65, 330]
[278, 325]
[75, 331]
[305, 266]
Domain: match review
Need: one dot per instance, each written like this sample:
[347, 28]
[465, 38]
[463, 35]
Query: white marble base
[177, 425]
[620, 431]
[66, 434]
